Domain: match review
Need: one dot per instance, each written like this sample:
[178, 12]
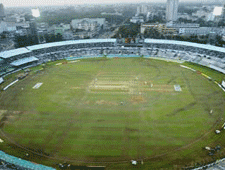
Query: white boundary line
[11, 84]
[188, 68]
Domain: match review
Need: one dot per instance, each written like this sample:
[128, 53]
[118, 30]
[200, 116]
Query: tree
[27, 40]
[58, 37]
[152, 33]
[130, 31]
[219, 41]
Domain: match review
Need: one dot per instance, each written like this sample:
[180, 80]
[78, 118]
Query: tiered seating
[192, 52]
[8, 161]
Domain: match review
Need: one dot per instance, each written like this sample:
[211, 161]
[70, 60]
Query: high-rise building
[143, 9]
[33, 27]
[2, 11]
[138, 10]
[171, 10]
[223, 11]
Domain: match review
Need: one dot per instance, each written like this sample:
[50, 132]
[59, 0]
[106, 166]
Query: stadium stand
[207, 55]
[14, 54]
[24, 61]
[11, 162]
[218, 165]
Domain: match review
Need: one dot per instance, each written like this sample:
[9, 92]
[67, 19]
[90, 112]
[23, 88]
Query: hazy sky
[8, 3]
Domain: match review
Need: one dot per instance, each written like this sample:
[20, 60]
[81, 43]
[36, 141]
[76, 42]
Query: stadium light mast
[35, 14]
[217, 12]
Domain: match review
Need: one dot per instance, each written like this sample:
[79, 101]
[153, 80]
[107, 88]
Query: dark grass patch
[109, 137]
[131, 130]
[190, 105]
[106, 129]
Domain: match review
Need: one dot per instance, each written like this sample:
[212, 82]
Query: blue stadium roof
[56, 44]
[11, 53]
[184, 43]
[23, 61]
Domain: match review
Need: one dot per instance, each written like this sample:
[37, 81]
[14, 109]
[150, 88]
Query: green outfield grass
[113, 110]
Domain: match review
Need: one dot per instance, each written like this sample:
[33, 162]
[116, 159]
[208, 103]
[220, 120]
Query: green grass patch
[215, 75]
[92, 124]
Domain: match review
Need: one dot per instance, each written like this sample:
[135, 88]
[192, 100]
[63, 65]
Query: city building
[223, 15]
[185, 16]
[138, 10]
[195, 31]
[183, 25]
[171, 10]
[202, 31]
[115, 13]
[88, 24]
[186, 28]
[146, 26]
[161, 28]
[14, 18]
[3, 26]
[43, 26]
[84, 34]
[59, 29]
[2, 12]
[22, 32]
[143, 9]
[200, 13]
[137, 19]
[7, 26]
[210, 17]
[33, 27]
[68, 35]
[11, 26]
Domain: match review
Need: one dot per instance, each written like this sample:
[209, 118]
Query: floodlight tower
[33, 23]
[217, 12]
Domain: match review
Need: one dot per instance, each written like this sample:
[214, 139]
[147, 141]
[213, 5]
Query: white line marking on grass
[74, 61]
[221, 87]
[37, 85]
[10, 84]
[188, 68]
[58, 64]
[177, 88]
[166, 59]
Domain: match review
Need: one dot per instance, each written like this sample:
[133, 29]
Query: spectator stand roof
[23, 61]
[15, 52]
[71, 42]
[184, 43]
